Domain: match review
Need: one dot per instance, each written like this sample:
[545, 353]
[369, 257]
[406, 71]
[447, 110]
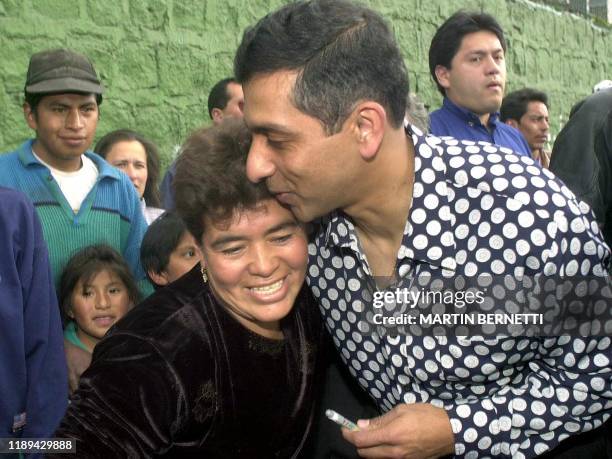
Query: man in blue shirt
[467, 62]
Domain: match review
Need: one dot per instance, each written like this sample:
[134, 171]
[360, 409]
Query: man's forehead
[69, 98]
[280, 80]
[536, 106]
[484, 40]
[234, 89]
[268, 95]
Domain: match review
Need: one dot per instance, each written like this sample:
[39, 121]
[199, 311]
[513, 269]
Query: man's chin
[304, 215]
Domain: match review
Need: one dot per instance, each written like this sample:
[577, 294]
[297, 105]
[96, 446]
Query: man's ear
[370, 119]
[217, 115]
[30, 116]
[160, 278]
[443, 76]
[512, 123]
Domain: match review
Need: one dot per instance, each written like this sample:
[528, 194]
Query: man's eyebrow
[57, 103]
[267, 128]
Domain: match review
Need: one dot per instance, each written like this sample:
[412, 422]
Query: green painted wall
[159, 58]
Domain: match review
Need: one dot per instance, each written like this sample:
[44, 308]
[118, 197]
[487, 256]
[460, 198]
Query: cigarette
[340, 420]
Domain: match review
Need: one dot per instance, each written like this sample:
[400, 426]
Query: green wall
[159, 58]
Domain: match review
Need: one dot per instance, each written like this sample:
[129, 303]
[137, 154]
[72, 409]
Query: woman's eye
[284, 238]
[231, 250]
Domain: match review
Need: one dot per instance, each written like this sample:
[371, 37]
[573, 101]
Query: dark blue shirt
[460, 123]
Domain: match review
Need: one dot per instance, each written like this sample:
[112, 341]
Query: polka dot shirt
[477, 209]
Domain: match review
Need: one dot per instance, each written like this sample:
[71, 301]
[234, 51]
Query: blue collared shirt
[454, 121]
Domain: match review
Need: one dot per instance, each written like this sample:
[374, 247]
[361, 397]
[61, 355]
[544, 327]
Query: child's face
[97, 305]
[184, 257]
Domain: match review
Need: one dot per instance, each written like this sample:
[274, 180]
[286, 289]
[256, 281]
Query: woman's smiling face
[256, 263]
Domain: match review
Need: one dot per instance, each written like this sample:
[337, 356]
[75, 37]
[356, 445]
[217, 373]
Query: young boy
[168, 250]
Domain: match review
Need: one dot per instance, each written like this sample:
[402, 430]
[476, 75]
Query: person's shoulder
[515, 135]
[510, 131]
[8, 156]
[10, 168]
[436, 118]
[180, 298]
[14, 203]
[492, 168]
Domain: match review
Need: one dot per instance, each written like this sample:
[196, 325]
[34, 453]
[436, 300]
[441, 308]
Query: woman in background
[138, 157]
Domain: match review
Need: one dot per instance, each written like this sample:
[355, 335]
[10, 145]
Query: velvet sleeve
[129, 403]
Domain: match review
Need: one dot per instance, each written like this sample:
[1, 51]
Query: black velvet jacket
[180, 377]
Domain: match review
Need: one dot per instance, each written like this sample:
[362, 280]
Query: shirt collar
[28, 159]
[430, 184]
[467, 115]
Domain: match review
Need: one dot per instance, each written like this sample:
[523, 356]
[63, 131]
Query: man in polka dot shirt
[325, 89]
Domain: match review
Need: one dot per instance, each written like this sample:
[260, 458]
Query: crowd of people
[222, 311]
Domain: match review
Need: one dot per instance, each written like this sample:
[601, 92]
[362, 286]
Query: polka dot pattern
[477, 210]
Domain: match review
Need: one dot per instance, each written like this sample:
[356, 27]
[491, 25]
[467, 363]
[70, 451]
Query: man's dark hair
[160, 240]
[33, 99]
[211, 181]
[343, 53]
[447, 40]
[219, 97]
[84, 265]
[105, 145]
[515, 104]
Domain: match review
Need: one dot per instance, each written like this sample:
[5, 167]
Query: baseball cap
[603, 84]
[61, 70]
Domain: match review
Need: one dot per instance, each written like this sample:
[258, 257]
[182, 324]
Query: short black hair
[343, 53]
[447, 39]
[33, 99]
[160, 240]
[105, 145]
[515, 104]
[219, 97]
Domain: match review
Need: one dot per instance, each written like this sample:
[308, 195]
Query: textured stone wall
[159, 58]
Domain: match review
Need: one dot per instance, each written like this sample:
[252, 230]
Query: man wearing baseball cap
[80, 199]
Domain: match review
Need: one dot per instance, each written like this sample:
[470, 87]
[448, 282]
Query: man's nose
[259, 166]
[74, 120]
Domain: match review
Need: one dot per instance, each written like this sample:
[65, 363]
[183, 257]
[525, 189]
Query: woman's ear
[69, 312]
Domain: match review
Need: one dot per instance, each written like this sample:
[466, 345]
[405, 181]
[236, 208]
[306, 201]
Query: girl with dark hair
[96, 290]
[138, 157]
